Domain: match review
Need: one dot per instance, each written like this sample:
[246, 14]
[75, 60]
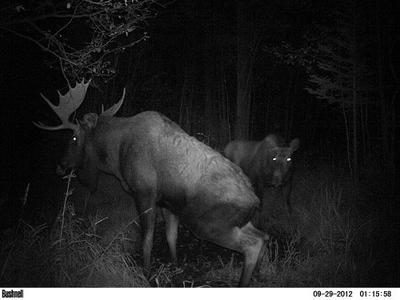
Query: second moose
[267, 163]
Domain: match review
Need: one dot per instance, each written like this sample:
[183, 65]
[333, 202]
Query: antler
[113, 109]
[68, 103]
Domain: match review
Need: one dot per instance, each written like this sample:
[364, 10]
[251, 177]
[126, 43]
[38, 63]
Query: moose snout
[277, 178]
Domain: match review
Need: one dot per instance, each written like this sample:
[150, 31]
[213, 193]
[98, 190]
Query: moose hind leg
[251, 241]
[171, 230]
[247, 240]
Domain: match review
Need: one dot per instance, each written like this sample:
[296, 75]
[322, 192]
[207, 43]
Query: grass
[39, 258]
[322, 235]
[328, 240]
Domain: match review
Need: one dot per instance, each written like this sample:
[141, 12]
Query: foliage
[338, 72]
[85, 36]
[332, 58]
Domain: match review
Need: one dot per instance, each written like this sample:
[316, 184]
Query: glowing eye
[74, 138]
[288, 159]
[274, 158]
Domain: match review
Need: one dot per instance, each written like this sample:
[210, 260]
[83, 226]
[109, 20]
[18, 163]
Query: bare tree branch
[84, 35]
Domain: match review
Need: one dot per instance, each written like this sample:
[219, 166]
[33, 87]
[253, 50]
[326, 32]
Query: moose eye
[74, 138]
[274, 158]
[288, 159]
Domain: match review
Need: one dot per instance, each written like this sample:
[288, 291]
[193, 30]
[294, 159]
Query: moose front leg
[286, 195]
[171, 231]
[146, 205]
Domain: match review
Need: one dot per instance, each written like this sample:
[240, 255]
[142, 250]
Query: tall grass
[324, 235]
[327, 240]
[39, 259]
[69, 254]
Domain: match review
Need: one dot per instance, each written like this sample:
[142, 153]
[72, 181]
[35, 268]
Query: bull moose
[267, 163]
[159, 164]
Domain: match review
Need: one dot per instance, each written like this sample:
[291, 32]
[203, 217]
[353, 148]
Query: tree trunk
[244, 63]
[347, 129]
[355, 124]
[223, 107]
[186, 99]
[388, 165]
[354, 98]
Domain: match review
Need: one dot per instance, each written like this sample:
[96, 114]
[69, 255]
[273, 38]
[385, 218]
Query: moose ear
[294, 144]
[89, 121]
[270, 141]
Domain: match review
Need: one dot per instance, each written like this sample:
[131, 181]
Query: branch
[37, 43]
[106, 20]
